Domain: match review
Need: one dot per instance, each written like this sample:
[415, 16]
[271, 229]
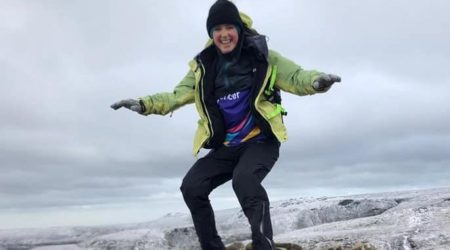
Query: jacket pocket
[274, 117]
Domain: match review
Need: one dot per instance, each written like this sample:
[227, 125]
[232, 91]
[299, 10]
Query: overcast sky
[66, 158]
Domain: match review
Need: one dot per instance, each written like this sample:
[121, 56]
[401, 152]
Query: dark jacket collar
[258, 44]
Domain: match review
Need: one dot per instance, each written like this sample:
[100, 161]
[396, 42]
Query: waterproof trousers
[246, 165]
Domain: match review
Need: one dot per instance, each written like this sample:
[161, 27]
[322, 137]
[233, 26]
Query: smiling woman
[225, 37]
[224, 26]
[244, 130]
[63, 62]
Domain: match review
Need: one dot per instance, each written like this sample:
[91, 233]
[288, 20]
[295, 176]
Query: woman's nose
[223, 33]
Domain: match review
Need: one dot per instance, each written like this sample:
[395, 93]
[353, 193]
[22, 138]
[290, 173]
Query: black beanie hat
[223, 12]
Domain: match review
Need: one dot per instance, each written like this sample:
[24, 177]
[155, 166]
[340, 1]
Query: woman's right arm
[164, 103]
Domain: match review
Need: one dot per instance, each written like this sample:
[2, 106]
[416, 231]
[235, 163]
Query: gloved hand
[324, 81]
[130, 104]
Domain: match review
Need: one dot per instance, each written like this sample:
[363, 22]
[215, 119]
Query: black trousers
[246, 165]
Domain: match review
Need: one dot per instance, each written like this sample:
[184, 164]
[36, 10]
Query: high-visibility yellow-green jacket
[271, 72]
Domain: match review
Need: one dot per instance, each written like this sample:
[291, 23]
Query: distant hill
[396, 220]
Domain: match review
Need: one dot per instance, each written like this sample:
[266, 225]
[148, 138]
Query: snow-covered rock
[397, 220]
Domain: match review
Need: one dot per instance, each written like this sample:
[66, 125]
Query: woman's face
[225, 37]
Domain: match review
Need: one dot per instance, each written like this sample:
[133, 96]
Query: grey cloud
[384, 127]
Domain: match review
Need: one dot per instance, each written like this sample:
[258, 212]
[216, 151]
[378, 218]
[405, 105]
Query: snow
[59, 247]
[417, 219]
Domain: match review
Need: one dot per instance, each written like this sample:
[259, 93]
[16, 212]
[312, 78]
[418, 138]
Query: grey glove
[130, 104]
[324, 81]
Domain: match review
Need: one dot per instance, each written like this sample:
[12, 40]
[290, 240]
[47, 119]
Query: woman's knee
[190, 188]
[244, 181]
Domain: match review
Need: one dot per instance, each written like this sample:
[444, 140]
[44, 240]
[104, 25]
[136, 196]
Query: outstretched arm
[294, 79]
[162, 103]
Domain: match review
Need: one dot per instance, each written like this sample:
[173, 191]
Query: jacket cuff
[143, 109]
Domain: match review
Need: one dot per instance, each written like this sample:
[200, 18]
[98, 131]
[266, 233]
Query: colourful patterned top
[239, 123]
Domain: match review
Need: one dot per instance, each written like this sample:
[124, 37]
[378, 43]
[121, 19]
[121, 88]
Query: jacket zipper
[202, 101]
[261, 90]
[258, 95]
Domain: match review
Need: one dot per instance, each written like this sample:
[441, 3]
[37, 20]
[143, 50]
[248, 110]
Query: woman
[234, 83]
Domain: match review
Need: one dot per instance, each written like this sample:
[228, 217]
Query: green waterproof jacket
[279, 73]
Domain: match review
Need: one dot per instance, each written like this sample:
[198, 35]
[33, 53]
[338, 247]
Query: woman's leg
[256, 160]
[207, 173]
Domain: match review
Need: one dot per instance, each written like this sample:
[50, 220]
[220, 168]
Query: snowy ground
[59, 247]
[399, 220]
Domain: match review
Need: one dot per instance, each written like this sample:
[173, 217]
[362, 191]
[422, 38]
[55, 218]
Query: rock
[288, 246]
[236, 246]
[182, 238]
[279, 246]
[363, 246]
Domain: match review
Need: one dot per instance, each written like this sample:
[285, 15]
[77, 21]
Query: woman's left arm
[293, 78]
